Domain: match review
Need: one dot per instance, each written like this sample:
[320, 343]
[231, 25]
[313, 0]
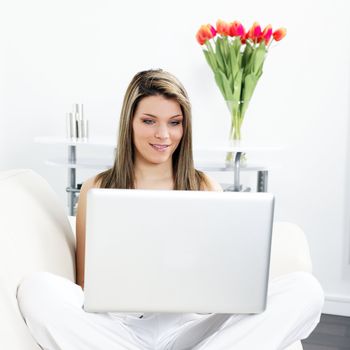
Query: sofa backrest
[35, 235]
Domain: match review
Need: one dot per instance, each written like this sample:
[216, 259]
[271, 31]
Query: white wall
[56, 53]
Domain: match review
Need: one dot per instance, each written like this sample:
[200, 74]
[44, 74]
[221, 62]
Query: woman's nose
[162, 132]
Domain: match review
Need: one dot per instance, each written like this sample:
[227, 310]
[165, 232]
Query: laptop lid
[177, 251]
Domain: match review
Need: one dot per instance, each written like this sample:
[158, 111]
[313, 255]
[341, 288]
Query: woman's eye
[175, 122]
[148, 121]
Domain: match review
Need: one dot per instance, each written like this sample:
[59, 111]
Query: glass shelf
[73, 162]
[98, 163]
[94, 141]
[106, 163]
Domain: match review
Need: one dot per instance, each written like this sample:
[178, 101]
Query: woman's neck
[149, 175]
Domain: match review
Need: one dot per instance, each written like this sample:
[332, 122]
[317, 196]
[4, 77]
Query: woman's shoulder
[92, 182]
[209, 184]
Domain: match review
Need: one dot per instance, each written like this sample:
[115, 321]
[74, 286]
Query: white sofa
[36, 235]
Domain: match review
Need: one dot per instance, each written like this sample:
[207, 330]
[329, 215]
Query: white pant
[52, 308]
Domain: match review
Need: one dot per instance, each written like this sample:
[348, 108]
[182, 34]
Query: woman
[155, 152]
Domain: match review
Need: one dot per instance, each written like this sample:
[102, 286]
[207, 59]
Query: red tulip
[266, 34]
[254, 32]
[222, 27]
[244, 38]
[279, 34]
[236, 29]
[205, 32]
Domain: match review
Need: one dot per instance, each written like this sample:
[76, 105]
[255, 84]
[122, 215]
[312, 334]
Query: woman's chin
[158, 159]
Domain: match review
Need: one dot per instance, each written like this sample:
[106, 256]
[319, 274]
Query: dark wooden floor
[332, 333]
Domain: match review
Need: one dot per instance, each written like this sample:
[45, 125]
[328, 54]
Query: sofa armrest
[72, 223]
[34, 236]
[289, 251]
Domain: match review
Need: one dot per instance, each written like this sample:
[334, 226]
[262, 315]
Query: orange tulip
[236, 29]
[222, 27]
[205, 32]
[266, 34]
[279, 34]
[254, 32]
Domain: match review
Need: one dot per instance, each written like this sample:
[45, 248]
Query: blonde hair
[151, 83]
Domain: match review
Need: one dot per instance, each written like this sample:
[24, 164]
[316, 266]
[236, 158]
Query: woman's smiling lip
[159, 147]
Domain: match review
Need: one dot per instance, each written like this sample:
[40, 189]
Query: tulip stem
[268, 47]
[210, 48]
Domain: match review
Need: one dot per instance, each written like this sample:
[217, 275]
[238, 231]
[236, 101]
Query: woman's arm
[80, 231]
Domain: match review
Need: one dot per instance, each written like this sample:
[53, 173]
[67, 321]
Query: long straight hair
[144, 84]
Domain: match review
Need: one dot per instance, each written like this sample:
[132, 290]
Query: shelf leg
[236, 184]
[262, 181]
[72, 158]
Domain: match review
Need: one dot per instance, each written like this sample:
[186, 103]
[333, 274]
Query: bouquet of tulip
[236, 58]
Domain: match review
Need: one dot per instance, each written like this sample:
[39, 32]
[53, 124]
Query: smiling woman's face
[157, 127]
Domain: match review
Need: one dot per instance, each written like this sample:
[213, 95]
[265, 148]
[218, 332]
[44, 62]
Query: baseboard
[337, 305]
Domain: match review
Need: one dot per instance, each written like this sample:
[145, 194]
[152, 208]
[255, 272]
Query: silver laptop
[177, 251]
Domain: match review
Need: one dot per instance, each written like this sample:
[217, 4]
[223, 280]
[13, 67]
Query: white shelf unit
[72, 163]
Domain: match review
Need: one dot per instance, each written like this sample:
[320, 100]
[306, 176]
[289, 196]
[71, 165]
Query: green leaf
[259, 58]
[218, 54]
[234, 61]
[225, 49]
[209, 59]
[247, 54]
[237, 45]
[231, 82]
[236, 73]
[219, 82]
[226, 87]
[237, 86]
[211, 55]
[250, 82]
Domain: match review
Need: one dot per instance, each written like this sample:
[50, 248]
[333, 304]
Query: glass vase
[237, 110]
